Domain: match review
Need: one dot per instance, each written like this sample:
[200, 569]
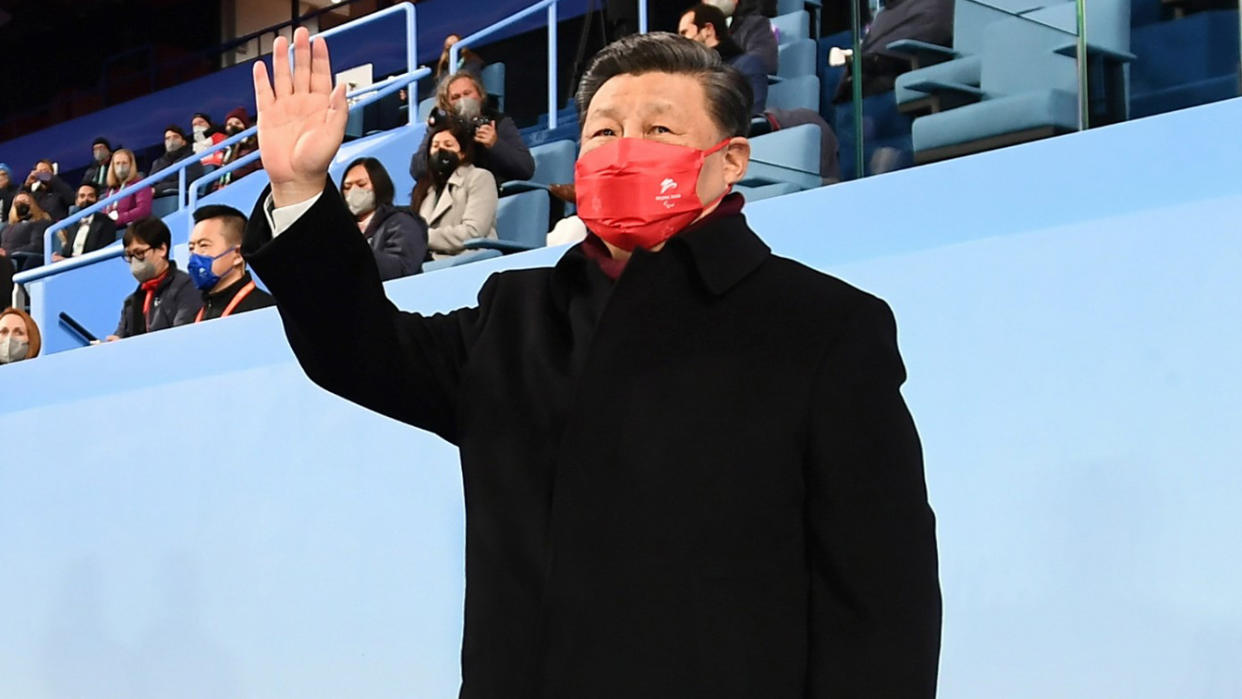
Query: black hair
[705, 14]
[177, 130]
[92, 185]
[101, 141]
[380, 181]
[461, 132]
[235, 219]
[150, 230]
[729, 98]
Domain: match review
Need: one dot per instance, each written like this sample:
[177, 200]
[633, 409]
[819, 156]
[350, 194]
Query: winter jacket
[399, 241]
[175, 302]
[132, 207]
[193, 171]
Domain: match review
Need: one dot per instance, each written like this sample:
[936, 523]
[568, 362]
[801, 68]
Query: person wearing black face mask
[457, 199]
[89, 234]
[176, 148]
[166, 296]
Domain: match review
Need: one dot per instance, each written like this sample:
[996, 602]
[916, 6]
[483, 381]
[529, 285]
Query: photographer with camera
[500, 150]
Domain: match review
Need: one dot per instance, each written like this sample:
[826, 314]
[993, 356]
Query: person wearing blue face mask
[216, 264]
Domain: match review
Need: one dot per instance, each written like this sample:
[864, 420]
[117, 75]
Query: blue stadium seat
[766, 191]
[521, 224]
[1184, 62]
[796, 58]
[554, 164]
[163, 205]
[459, 260]
[424, 109]
[493, 78]
[789, 155]
[795, 93]
[792, 27]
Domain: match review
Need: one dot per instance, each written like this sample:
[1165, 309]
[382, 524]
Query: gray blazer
[464, 209]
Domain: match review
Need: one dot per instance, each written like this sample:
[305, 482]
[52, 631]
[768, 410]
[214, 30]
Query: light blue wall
[184, 514]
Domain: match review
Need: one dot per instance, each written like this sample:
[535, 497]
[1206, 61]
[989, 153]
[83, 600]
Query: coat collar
[444, 200]
[722, 251]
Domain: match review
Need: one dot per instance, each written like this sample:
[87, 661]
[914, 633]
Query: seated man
[751, 29]
[502, 151]
[89, 234]
[706, 24]
[101, 158]
[53, 195]
[217, 267]
[176, 148]
[923, 20]
[165, 296]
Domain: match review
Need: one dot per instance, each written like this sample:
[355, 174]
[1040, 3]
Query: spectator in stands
[502, 151]
[206, 135]
[8, 190]
[751, 30]
[456, 198]
[101, 157]
[706, 24]
[217, 267]
[467, 60]
[27, 224]
[54, 196]
[19, 336]
[122, 173]
[236, 122]
[176, 148]
[930, 21]
[165, 296]
[90, 233]
[398, 238]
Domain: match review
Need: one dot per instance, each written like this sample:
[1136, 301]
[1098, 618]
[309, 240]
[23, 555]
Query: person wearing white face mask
[176, 148]
[19, 336]
[206, 134]
[500, 149]
[166, 296]
[121, 174]
[398, 239]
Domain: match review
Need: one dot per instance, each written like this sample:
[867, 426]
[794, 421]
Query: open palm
[301, 118]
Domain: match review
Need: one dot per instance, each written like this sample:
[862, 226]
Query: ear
[736, 159]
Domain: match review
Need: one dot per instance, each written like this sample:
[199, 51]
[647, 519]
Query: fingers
[282, 81]
[321, 68]
[263, 95]
[338, 111]
[301, 61]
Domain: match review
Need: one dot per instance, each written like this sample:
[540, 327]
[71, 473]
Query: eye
[603, 132]
[661, 129]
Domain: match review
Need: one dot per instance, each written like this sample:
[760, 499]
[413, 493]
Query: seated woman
[455, 198]
[121, 173]
[19, 336]
[27, 223]
[398, 238]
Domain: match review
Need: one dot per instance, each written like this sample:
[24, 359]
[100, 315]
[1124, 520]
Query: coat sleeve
[418, 162]
[509, 158]
[189, 300]
[122, 327]
[134, 207]
[875, 591]
[63, 191]
[35, 242]
[402, 246]
[477, 220]
[348, 337]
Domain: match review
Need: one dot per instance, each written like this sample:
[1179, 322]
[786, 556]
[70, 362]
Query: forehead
[198, 120]
[122, 155]
[357, 172]
[170, 132]
[42, 166]
[12, 321]
[461, 85]
[647, 94]
[444, 138]
[86, 189]
[208, 231]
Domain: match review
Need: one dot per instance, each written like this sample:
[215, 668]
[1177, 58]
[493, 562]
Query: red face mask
[639, 193]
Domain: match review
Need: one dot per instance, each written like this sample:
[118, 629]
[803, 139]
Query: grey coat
[399, 241]
[176, 302]
[465, 209]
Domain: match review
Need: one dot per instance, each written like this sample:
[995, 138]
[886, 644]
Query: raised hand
[301, 118]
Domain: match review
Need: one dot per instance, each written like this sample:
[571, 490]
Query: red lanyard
[237, 298]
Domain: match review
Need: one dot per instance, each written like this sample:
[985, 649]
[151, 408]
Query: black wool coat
[698, 481]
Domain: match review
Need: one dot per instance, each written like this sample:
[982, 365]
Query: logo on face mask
[667, 184]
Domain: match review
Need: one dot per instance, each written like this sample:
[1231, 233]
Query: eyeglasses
[131, 255]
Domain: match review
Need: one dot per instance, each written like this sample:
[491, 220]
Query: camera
[470, 124]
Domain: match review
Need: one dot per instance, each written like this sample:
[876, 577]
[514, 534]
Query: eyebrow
[649, 108]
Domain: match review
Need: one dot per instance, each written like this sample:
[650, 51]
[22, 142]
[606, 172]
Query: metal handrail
[179, 167]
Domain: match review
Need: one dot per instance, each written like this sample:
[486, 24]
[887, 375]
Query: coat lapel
[445, 200]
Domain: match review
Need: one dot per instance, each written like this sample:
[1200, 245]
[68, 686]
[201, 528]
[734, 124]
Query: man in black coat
[90, 233]
[53, 195]
[216, 265]
[165, 297]
[101, 158]
[177, 147]
[688, 468]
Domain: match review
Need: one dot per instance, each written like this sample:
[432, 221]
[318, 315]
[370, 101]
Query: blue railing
[179, 167]
[550, 6]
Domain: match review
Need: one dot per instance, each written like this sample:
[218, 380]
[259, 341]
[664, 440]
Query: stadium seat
[554, 164]
[459, 260]
[163, 205]
[789, 155]
[494, 82]
[521, 224]
[1184, 62]
[1029, 81]
[794, 93]
[424, 109]
[792, 27]
[796, 58]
